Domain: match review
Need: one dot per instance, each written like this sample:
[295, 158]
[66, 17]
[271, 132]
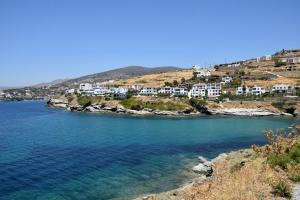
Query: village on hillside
[270, 75]
[266, 76]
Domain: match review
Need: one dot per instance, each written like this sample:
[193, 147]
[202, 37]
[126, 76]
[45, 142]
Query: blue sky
[43, 40]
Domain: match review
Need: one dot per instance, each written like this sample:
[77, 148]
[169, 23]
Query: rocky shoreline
[207, 171]
[119, 109]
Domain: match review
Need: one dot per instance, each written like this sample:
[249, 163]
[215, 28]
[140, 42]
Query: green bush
[235, 167]
[278, 104]
[281, 160]
[282, 189]
[86, 101]
[199, 104]
[294, 175]
[137, 104]
[292, 157]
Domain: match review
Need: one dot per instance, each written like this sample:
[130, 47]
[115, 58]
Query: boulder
[204, 168]
[91, 109]
[120, 108]
[202, 159]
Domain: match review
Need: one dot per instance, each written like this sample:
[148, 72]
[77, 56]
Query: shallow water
[52, 154]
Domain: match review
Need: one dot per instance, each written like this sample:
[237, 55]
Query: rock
[204, 168]
[165, 112]
[188, 110]
[120, 108]
[91, 109]
[59, 103]
[136, 112]
[244, 112]
[148, 109]
[108, 108]
[296, 192]
[202, 159]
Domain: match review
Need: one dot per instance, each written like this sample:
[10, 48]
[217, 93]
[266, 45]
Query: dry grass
[269, 83]
[255, 179]
[157, 80]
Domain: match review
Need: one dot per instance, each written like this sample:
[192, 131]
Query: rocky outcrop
[117, 108]
[103, 107]
[204, 167]
[59, 103]
[246, 112]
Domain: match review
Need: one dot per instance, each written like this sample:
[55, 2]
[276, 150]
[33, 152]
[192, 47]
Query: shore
[207, 170]
[119, 109]
[243, 174]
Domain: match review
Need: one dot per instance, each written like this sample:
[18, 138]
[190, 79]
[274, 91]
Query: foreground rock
[209, 171]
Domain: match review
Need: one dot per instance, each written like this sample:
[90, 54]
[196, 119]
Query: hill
[120, 73]
[47, 84]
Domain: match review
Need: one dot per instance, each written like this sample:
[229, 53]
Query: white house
[101, 91]
[105, 84]
[242, 91]
[214, 89]
[70, 91]
[85, 87]
[290, 60]
[226, 79]
[136, 87]
[201, 73]
[198, 90]
[148, 90]
[166, 90]
[257, 90]
[180, 91]
[282, 88]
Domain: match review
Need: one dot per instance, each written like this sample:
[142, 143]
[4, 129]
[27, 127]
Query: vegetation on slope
[138, 104]
[86, 101]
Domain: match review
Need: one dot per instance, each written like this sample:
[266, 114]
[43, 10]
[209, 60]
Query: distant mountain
[120, 73]
[46, 84]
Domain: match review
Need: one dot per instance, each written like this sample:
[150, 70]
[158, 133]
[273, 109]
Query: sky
[44, 40]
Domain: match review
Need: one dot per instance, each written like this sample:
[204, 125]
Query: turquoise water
[52, 154]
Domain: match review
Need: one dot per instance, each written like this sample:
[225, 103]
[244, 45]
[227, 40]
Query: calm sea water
[52, 154]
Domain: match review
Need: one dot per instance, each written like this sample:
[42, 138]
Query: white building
[148, 91]
[282, 88]
[166, 90]
[198, 90]
[201, 73]
[264, 58]
[242, 91]
[180, 91]
[214, 89]
[226, 79]
[257, 90]
[71, 91]
[136, 87]
[101, 91]
[105, 84]
[290, 60]
[85, 87]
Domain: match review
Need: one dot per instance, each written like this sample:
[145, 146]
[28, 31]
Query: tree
[175, 82]
[169, 84]
[182, 80]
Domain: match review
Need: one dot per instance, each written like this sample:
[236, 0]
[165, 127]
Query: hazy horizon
[42, 41]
